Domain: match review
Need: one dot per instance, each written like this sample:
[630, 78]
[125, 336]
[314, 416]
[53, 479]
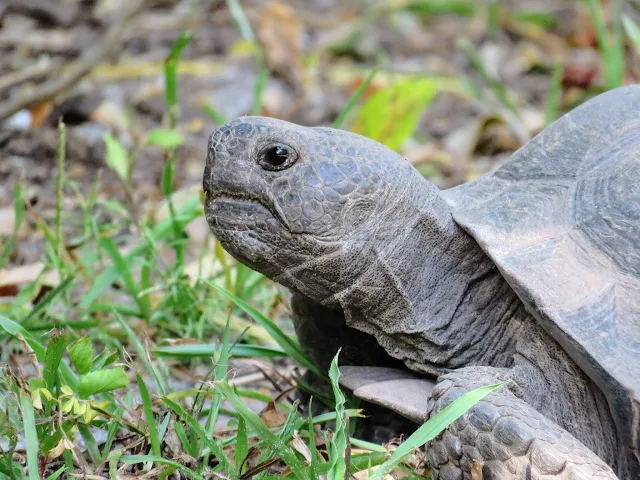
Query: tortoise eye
[277, 157]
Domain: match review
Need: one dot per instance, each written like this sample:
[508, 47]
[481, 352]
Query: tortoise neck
[434, 299]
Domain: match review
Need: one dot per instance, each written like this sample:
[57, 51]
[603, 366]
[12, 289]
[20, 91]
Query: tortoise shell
[561, 220]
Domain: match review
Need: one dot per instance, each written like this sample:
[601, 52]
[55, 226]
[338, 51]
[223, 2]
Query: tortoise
[528, 276]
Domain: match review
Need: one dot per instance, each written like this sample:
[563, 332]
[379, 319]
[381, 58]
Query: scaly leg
[504, 436]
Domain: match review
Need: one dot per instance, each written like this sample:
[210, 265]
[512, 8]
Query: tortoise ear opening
[403, 392]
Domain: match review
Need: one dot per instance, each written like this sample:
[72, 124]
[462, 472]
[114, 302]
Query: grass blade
[171, 77]
[112, 431]
[290, 346]
[338, 445]
[62, 144]
[18, 203]
[354, 99]
[130, 459]
[55, 475]
[148, 414]
[240, 20]
[242, 446]
[274, 442]
[555, 93]
[191, 210]
[611, 47]
[433, 428]
[142, 354]
[316, 458]
[209, 350]
[222, 362]
[48, 299]
[215, 448]
[495, 85]
[258, 95]
[633, 31]
[30, 437]
[90, 442]
[213, 114]
[124, 270]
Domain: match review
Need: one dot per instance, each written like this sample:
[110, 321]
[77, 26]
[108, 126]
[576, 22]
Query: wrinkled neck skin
[418, 283]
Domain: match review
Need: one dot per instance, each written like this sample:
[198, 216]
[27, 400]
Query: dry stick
[77, 70]
[30, 72]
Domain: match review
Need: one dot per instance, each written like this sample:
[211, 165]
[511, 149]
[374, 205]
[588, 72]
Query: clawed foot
[502, 437]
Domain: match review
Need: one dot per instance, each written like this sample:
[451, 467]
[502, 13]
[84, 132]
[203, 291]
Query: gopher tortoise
[528, 276]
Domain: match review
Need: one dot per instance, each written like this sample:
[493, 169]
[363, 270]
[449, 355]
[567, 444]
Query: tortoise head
[307, 207]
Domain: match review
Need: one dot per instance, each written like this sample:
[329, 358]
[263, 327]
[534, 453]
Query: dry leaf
[301, 447]
[40, 113]
[20, 275]
[59, 449]
[280, 35]
[272, 417]
[8, 223]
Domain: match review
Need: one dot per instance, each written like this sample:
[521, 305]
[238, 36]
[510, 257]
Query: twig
[77, 70]
[28, 73]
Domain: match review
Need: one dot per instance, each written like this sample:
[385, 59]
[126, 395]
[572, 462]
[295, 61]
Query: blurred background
[461, 83]
[102, 234]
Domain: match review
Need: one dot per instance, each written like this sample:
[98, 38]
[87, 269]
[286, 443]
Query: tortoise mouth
[240, 208]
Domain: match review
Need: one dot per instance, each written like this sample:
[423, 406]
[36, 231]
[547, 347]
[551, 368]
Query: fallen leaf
[272, 417]
[21, 275]
[8, 223]
[12, 279]
[301, 447]
[279, 33]
[40, 113]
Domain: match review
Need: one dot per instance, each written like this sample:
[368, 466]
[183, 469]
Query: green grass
[610, 41]
[100, 377]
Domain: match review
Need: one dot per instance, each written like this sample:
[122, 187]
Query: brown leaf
[8, 223]
[12, 279]
[301, 447]
[40, 113]
[279, 33]
[272, 417]
[20, 275]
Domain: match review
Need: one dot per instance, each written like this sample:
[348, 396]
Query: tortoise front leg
[321, 332]
[504, 436]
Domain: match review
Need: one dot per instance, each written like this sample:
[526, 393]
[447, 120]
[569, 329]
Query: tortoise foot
[503, 437]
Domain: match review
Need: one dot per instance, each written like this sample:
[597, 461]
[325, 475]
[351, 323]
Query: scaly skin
[506, 436]
[361, 238]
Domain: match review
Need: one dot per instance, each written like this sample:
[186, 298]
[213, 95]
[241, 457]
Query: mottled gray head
[305, 206]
